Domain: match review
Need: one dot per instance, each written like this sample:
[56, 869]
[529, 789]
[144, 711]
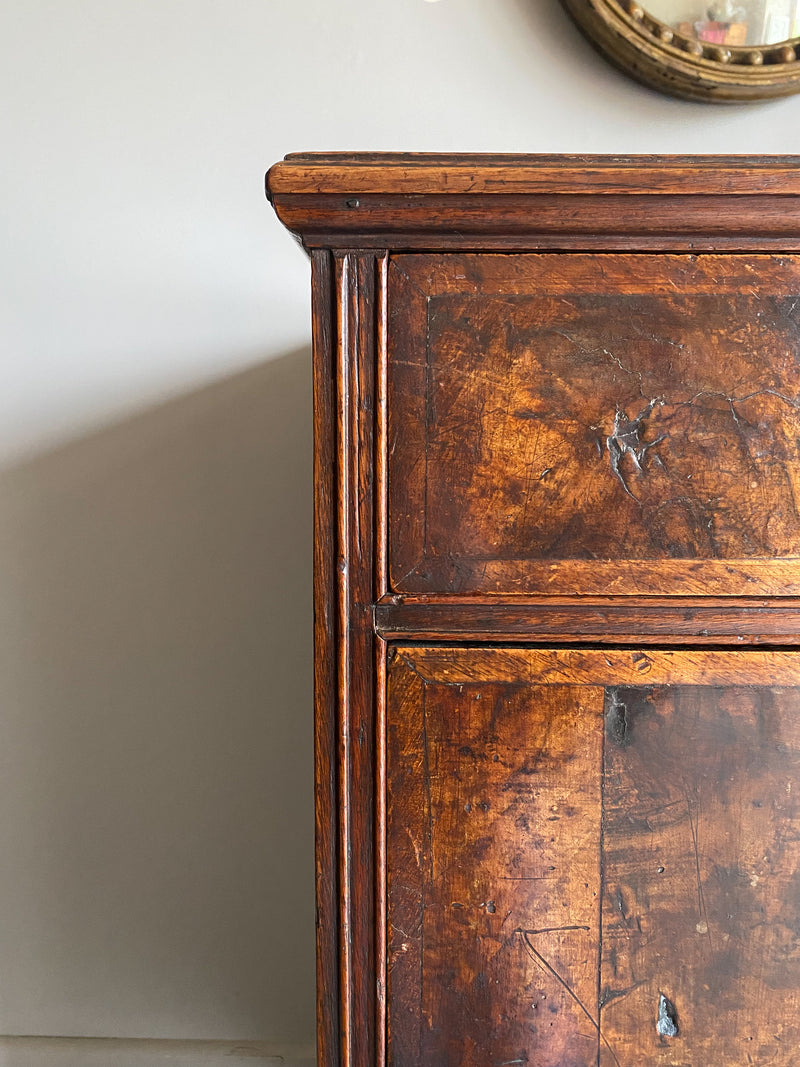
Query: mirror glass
[730, 22]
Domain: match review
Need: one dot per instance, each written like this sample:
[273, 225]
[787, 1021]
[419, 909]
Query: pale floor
[101, 1052]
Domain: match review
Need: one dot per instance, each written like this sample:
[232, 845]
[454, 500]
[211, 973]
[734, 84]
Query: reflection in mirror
[730, 22]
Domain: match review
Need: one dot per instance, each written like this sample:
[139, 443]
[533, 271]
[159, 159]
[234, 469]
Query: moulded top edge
[395, 173]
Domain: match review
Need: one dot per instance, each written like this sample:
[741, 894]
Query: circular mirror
[721, 50]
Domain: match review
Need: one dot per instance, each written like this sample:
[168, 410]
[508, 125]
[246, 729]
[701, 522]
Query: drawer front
[575, 424]
[593, 858]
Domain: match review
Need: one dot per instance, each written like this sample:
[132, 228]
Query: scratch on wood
[703, 927]
[555, 929]
[548, 967]
[609, 995]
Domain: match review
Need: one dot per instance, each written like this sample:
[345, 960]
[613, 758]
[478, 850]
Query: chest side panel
[594, 424]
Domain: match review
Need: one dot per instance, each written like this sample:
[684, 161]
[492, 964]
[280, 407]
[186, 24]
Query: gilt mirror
[720, 50]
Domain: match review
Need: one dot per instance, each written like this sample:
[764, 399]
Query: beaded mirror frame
[653, 53]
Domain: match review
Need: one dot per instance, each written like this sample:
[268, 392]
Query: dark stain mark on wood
[623, 705]
[642, 661]
[616, 718]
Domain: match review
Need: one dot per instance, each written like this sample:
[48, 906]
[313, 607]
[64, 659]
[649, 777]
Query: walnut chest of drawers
[557, 570]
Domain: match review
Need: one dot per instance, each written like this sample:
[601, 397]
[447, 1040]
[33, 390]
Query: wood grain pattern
[575, 834]
[325, 663]
[493, 819]
[631, 221]
[405, 378]
[621, 424]
[403, 201]
[346, 533]
[342, 173]
[701, 901]
[596, 620]
[452, 665]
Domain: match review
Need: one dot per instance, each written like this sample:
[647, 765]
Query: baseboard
[113, 1052]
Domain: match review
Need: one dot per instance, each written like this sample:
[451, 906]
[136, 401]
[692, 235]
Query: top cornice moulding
[419, 173]
[504, 202]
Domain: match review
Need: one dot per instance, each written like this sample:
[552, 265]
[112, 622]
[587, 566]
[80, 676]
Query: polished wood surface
[390, 173]
[574, 835]
[604, 620]
[590, 424]
[700, 858]
[557, 602]
[493, 869]
[326, 724]
[528, 202]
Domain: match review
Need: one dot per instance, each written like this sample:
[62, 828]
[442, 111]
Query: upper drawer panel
[570, 424]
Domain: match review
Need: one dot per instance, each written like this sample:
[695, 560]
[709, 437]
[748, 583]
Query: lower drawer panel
[593, 857]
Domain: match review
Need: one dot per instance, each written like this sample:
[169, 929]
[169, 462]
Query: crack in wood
[624, 440]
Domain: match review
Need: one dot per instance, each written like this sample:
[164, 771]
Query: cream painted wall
[155, 742]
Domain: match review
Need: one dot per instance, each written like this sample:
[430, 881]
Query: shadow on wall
[156, 820]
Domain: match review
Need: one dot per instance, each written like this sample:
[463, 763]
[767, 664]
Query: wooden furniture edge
[511, 203]
[501, 175]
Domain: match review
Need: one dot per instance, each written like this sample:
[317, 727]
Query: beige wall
[155, 740]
